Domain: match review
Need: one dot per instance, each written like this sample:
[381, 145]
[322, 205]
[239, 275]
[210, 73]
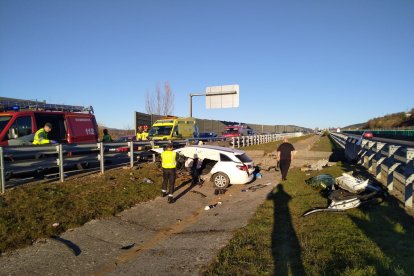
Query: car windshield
[4, 120]
[232, 130]
[244, 158]
[160, 131]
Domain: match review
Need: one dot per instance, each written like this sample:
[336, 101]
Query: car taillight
[243, 168]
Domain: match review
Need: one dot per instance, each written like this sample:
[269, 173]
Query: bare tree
[158, 99]
[149, 103]
[168, 108]
[160, 102]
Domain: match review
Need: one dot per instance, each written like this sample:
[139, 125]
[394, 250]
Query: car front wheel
[221, 181]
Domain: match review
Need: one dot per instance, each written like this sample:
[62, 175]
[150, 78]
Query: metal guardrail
[392, 165]
[15, 160]
[246, 141]
[34, 159]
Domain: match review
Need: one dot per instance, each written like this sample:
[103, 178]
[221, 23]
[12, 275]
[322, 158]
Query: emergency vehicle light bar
[16, 105]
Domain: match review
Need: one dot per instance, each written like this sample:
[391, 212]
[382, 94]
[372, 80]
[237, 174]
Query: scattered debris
[75, 249]
[351, 193]
[209, 207]
[199, 193]
[352, 184]
[258, 175]
[147, 180]
[127, 247]
[321, 181]
[318, 166]
[256, 187]
[56, 224]
[220, 191]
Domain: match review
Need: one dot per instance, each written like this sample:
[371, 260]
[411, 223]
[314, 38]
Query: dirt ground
[152, 238]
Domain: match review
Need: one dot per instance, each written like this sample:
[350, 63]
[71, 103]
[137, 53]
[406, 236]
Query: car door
[20, 132]
[228, 166]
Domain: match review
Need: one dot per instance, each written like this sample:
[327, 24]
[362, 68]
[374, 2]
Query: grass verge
[324, 144]
[28, 212]
[272, 146]
[370, 240]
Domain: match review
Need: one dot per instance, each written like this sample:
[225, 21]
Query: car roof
[221, 149]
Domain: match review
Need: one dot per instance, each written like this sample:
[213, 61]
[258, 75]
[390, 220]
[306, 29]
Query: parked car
[367, 135]
[207, 136]
[222, 166]
[124, 139]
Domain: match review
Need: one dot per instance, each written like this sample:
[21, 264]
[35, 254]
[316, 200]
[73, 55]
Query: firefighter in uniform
[144, 134]
[169, 164]
[41, 136]
[139, 133]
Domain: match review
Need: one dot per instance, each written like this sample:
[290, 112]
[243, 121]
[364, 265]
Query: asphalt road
[388, 141]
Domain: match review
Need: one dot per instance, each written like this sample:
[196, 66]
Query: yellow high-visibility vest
[144, 135]
[139, 136]
[169, 159]
[40, 137]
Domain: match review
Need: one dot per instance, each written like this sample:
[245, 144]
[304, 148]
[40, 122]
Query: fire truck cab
[20, 119]
[237, 131]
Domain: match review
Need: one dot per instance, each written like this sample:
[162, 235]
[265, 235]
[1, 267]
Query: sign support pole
[207, 95]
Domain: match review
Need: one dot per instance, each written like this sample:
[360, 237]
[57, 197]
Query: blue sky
[308, 63]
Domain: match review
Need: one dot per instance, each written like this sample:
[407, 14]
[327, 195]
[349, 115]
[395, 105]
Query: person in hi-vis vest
[169, 173]
[145, 133]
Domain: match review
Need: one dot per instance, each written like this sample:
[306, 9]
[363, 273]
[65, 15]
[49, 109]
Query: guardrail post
[2, 177]
[131, 153]
[59, 161]
[101, 157]
[153, 155]
[244, 141]
[238, 142]
[233, 141]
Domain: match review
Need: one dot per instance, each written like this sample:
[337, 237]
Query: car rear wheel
[221, 181]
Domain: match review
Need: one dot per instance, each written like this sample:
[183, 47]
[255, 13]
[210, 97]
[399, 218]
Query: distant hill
[394, 120]
[356, 126]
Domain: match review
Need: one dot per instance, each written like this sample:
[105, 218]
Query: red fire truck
[20, 119]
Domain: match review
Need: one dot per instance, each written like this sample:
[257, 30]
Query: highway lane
[409, 144]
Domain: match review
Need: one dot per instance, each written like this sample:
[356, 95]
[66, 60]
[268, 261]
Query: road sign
[226, 96]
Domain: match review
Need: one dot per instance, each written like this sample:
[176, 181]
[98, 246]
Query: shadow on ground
[394, 238]
[286, 249]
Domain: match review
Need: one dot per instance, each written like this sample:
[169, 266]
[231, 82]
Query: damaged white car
[222, 166]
